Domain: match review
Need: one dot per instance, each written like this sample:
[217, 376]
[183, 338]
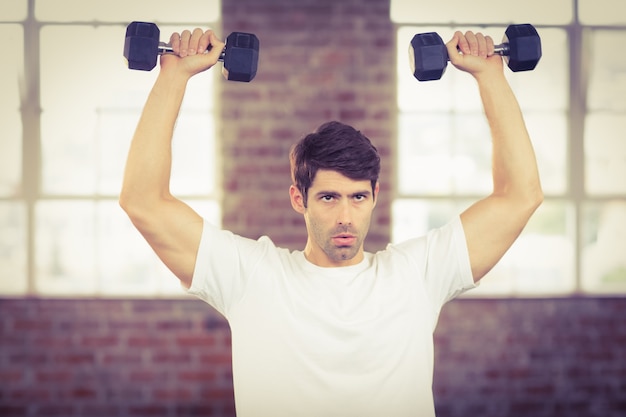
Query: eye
[327, 198]
[360, 197]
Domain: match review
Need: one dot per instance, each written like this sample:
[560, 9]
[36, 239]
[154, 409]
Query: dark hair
[337, 147]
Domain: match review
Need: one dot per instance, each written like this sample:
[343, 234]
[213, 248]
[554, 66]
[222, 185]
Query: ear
[376, 190]
[297, 199]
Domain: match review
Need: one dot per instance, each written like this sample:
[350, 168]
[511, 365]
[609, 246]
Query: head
[334, 146]
[335, 185]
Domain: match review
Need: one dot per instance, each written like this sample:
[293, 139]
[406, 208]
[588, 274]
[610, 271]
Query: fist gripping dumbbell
[521, 47]
[240, 55]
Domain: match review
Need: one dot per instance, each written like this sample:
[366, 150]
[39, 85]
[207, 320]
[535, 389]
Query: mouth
[344, 240]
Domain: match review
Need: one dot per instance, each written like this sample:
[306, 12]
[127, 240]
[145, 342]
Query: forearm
[148, 166]
[515, 173]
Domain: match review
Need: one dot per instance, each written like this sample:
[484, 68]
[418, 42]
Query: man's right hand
[194, 52]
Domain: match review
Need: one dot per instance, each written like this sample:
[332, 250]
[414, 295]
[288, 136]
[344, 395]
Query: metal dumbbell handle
[166, 48]
[503, 49]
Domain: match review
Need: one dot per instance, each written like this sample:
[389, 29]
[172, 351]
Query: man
[331, 330]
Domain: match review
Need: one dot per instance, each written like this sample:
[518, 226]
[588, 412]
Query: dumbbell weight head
[524, 47]
[241, 61]
[428, 56]
[141, 46]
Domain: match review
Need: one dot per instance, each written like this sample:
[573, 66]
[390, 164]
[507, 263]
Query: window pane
[13, 11]
[65, 243]
[605, 154]
[127, 265]
[414, 217]
[540, 262]
[607, 81]
[13, 280]
[602, 12]
[443, 154]
[90, 133]
[542, 259]
[482, 11]
[127, 10]
[605, 140]
[604, 247]
[10, 117]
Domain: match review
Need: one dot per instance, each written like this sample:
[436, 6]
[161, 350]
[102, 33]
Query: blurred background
[91, 324]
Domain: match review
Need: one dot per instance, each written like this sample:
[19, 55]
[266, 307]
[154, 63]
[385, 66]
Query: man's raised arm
[491, 225]
[171, 227]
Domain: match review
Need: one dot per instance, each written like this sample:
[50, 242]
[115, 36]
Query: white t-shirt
[350, 341]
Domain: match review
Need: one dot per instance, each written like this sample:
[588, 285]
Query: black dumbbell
[521, 47]
[142, 46]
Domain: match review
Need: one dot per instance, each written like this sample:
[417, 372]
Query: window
[574, 110]
[68, 122]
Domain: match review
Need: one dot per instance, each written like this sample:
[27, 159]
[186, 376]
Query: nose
[344, 214]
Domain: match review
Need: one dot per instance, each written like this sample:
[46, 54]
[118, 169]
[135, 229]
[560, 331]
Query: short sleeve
[442, 261]
[223, 264]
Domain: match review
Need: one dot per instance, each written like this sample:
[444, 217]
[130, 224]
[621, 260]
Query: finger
[184, 43]
[460, 43]
[205, 41]
[217, 46]
[175, 42]
[194, 41]
[482, 45]
[490, 45]
[472, 42]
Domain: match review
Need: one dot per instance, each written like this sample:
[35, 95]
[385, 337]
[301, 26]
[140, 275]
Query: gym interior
[91, 324]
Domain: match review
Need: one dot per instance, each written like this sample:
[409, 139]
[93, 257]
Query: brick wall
[320, 60]
[494, 358]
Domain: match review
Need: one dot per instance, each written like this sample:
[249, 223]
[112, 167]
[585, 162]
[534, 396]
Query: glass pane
[414, 217]
[605, 154]
[540, 262]
[607, 81]
[11, 84]
[127, 10]
[65, 248]
[13, 279]
[602, 12]
[542, 259]
[90, 133]
[13, 11]
[482, 11]
[603, 268]
[443, 154]
[127, 265]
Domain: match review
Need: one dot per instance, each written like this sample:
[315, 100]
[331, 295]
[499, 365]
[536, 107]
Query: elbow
[133, 206]
[536, 196]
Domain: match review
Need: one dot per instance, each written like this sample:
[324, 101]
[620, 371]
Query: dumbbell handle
[503, 49]
[166, 48]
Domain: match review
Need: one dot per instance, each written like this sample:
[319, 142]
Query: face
[337, 217]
